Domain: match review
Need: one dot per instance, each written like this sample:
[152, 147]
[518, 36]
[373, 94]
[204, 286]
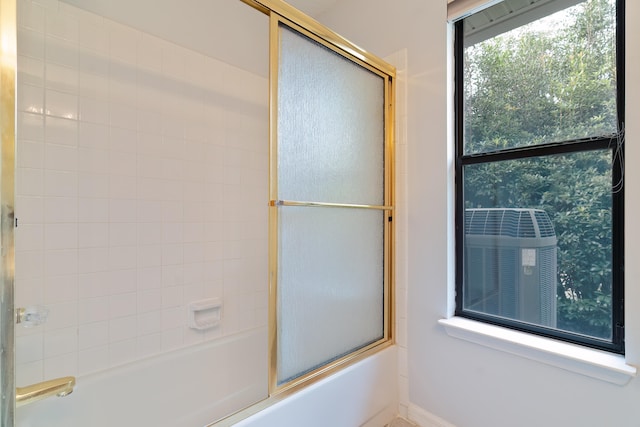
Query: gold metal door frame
[330, 38]
[8, 62]
[316, 32]
[279, 11]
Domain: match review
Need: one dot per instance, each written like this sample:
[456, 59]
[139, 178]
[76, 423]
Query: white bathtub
[194, 387]
[364, 394]
[188, 387]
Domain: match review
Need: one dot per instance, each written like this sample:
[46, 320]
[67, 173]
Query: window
[539, 169]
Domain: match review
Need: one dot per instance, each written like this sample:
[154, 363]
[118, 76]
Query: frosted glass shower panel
[330, 204]
[330, 293]
[331, 140]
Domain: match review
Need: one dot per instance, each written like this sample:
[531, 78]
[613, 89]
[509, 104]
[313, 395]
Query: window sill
[590, 362]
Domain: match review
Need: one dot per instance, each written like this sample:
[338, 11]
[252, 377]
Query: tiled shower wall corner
[142, 173]
[400, 61]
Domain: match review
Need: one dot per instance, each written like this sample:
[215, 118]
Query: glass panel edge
[8, 67]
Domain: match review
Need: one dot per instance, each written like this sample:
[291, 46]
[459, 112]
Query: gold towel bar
[328, 205]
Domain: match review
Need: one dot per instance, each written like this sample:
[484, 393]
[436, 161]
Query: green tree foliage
[537, 85]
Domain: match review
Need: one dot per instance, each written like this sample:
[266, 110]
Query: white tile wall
[399, 59]
[141, 186]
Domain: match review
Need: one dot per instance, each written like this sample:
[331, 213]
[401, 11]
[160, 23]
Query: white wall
[142, 174]
[464, 383]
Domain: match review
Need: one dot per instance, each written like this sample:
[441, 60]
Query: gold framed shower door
[283, 14]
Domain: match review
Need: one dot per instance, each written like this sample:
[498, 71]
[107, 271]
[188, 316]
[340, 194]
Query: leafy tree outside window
[539, 128]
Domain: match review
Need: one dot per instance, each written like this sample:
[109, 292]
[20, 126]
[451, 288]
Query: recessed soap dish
[204, 314]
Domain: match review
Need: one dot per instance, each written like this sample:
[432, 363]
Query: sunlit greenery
[552, 83]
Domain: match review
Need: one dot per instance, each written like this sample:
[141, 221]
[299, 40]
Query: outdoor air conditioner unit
[511, 264]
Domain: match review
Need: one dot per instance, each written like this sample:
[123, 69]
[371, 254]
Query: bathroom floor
[401, 422]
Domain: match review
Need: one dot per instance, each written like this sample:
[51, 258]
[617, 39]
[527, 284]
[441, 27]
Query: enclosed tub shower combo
[197, 209]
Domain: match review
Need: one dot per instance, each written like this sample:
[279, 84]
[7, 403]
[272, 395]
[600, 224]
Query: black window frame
[616, 344]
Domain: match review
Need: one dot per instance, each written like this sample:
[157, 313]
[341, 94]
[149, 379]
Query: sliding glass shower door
[331, 206]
